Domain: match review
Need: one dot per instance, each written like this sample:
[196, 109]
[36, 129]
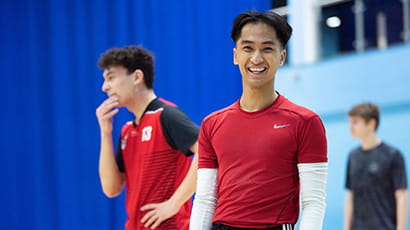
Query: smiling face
[258, 53]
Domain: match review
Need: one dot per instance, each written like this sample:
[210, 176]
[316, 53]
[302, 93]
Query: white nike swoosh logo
[275, 126]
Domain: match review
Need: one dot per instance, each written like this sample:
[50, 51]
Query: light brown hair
[367, 111]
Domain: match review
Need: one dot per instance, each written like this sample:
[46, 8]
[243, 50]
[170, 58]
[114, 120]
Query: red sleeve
[207, 155]
[312, 146]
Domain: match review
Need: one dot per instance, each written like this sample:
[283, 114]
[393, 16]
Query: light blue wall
[331, 87]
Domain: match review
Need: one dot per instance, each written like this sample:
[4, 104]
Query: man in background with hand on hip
[152, 159]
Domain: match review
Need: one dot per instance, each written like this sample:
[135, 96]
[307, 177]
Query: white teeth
[256, 69]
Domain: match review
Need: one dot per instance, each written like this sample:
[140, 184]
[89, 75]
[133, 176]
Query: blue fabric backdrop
[50, 87]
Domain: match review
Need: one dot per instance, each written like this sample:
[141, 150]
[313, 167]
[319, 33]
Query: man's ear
[235, 58]
[282, 57]
[138, 76]
[372, 122]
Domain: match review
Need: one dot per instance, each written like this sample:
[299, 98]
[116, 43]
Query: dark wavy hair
[132, 58]
[277, 22]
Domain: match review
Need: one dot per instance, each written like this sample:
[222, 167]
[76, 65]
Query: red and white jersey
[256, 154]
[153, 155]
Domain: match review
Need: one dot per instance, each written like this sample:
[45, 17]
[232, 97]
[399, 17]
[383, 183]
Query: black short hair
[277, 22]
[132, 58]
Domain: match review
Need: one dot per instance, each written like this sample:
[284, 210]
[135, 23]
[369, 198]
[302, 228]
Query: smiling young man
[152, 159]
[377, 196]
[256, 155]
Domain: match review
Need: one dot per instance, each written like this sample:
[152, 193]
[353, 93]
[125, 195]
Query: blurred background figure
[377, 196]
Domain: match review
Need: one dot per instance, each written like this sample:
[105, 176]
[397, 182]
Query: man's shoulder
[218, 114]
[389, 149]
[298, 110]
[388, 146]
[356, 150]
[164, 108]
[383, 149]
[166, 102]
[127, 127]
[128, 124]
[160, 103]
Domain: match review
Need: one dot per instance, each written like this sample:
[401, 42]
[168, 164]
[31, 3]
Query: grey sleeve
[399, 172]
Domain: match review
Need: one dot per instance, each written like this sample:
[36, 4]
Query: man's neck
[370, 141]
[253, 100]
[140, 104]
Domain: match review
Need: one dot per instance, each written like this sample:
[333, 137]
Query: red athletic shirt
[256, 154]
[151, 155]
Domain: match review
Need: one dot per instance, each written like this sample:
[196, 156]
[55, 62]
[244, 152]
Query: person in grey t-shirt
[377, 196]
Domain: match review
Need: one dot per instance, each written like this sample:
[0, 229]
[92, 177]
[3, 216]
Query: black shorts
[217, 226]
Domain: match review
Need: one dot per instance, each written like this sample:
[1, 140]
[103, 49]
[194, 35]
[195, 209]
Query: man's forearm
[187, 188]
[401, 208]
[348, 210]
[313, 179]
[112, 180]
[205, 200]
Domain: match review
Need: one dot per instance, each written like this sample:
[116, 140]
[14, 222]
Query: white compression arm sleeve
[205, 200]
[313, 191]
